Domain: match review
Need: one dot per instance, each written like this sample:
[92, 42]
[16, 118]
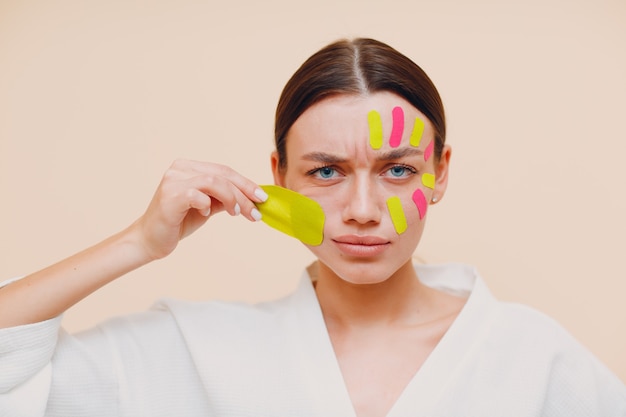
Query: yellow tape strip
[293, 214]
[418, 131]
[394, 204]
[376, 129]
[428, 180]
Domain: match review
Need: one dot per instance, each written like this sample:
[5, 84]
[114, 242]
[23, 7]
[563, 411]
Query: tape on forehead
[418, 131]
[398, 127]
[428, 152]
[376, 129]
[293, 214]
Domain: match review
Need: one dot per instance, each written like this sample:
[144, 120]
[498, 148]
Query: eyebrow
[391, 155]
[324, 158]
[399, 153]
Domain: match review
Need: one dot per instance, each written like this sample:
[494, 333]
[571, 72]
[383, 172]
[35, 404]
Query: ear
[279, 175]
[442, 168]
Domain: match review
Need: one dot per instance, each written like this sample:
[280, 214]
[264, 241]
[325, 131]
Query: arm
[189, 193]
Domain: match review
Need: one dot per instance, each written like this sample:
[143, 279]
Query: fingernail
[260, 194]
[237, 209]
[206, 212]
[256, 215]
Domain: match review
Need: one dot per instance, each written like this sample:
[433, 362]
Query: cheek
[330, 205]
[397, 214]
[328, 200]
[407, 211]
[419, 199]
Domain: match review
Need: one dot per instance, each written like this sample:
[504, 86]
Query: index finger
[248, 187]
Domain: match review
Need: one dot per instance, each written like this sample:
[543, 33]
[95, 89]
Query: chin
[361, 273]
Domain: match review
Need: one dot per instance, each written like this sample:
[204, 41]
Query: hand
[188, 194]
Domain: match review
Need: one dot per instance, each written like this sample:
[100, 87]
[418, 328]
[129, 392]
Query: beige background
[98, 97]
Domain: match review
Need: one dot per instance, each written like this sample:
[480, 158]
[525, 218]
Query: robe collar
[426, 388]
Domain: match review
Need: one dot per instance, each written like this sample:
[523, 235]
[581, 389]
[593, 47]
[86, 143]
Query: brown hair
[358, 66]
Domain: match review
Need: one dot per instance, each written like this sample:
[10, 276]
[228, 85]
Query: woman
[360, 130]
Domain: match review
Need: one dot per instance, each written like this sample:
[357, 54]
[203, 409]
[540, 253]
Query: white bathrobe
[204, 359]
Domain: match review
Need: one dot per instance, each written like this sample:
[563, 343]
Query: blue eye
[400, 171]
[325, 172]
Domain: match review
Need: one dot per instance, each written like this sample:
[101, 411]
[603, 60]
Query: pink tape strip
[398, 127]
[429, 150]
[420, 201]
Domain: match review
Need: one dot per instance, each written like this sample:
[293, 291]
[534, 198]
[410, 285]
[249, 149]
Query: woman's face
[367, 160]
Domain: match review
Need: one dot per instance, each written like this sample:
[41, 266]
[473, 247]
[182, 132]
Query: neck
[349, 305]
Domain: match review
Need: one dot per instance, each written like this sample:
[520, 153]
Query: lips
[361, 246]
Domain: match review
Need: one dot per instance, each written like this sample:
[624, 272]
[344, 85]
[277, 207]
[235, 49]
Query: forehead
[340, 123]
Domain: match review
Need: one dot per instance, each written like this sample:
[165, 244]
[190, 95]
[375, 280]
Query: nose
[362, 202]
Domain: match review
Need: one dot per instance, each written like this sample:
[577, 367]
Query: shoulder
[527, 322]
[530, 335]
[229, 320]
[524, 350]
[573, 378]
[224, 310]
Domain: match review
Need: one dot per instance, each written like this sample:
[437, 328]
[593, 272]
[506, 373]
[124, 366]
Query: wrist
[133, 243]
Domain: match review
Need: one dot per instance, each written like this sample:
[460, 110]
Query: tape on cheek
[394, 205]
[376, 129]
[398, 127]
[293, 214]
[428, 180]
[416, 134]
[420, 202]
